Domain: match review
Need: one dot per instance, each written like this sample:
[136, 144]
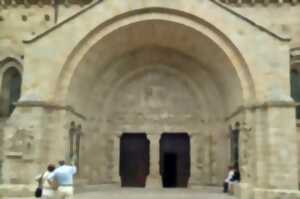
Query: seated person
[228, 179]
[234, 179]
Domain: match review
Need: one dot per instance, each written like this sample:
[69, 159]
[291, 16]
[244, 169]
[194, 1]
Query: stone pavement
[134, 193]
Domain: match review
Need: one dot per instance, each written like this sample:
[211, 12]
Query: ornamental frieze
[262, 2]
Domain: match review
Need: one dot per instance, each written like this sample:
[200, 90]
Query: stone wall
[156, 69]
[18, 23]
[282, 19]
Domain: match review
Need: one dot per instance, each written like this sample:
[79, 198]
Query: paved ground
[132, 193]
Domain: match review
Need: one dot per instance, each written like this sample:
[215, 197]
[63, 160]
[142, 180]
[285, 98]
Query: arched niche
[295, 79]
[10, 84]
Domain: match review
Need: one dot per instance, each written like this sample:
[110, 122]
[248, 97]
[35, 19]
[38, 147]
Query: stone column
[116, 159]
[276, 166]
[154, 178]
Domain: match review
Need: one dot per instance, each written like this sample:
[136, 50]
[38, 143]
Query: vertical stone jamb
[116, 159]
[194, 157]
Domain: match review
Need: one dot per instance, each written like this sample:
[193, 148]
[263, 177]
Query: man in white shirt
[63, 176]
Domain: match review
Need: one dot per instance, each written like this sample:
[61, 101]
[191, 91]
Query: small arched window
[295, 89]
[295, 78]
[10, 91]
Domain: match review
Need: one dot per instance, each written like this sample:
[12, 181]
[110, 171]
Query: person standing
[47, 191]
[62, 177]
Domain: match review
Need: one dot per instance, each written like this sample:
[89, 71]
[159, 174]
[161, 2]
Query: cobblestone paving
[107, 193]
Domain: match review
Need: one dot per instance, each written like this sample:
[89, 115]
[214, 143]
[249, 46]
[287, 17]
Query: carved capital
[295, 57]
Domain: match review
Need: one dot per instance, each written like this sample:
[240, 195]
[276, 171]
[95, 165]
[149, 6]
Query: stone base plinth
[16, 191]
[276, 194]
[153, 183]
[243, 191]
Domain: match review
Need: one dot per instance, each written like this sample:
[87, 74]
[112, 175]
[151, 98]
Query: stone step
[106, 192]
[149, 195]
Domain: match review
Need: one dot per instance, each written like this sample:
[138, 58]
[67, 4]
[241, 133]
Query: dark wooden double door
[174, 159]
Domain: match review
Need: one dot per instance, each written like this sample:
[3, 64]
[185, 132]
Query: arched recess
[10, 84]
[295, 78]
[155, 54]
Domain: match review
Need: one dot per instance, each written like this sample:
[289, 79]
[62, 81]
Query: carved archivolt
[28, 3]
[263, 2]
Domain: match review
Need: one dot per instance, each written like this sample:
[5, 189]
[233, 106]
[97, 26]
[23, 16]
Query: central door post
[153, 179]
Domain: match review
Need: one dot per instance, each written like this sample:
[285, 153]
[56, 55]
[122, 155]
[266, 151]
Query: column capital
[118, 134]
[153, 136]
[295, 57]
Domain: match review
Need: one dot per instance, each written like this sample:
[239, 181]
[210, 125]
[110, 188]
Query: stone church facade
[148, 84]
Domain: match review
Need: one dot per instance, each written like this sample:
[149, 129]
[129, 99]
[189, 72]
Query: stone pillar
[154, 178]
[246, 148]
[34, 137]
[25, 144]
[116, 160]
[276, 166]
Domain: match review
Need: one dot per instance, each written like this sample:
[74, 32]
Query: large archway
[159, 73]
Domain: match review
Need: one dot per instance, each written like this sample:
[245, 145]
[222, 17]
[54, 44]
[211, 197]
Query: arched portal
[157, 74]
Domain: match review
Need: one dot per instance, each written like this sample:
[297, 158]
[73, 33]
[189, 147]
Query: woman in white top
[48, 192]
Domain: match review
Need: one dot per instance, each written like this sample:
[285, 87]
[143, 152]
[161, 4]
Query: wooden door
[134, 160]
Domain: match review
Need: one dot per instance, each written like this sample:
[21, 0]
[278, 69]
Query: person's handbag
[39, 190]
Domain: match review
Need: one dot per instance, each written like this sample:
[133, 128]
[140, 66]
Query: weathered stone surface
[15, 191]
[153, 66]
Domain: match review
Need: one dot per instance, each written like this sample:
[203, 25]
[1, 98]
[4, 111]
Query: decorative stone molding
[15, 155]
[295, 57]
[41, 3]
[48, 105]
[262, 2]
[262, 105]
[62, 23]
[249, 21]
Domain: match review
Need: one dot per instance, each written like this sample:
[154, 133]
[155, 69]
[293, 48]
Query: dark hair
[61, 162]
[51, 167]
